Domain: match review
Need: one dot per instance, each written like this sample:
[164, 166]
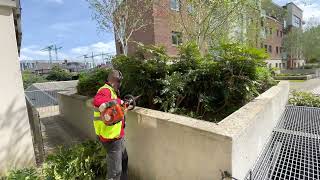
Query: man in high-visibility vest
[111, 136]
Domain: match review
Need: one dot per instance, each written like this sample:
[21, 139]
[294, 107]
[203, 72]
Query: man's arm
[103, 96]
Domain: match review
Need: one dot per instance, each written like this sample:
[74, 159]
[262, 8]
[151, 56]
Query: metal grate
[293, 150]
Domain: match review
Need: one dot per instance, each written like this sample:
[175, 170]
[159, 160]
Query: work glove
[102, 107]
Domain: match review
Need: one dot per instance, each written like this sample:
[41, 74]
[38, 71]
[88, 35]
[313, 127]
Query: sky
[69, 24]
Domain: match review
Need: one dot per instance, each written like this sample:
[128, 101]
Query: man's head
[114, 78]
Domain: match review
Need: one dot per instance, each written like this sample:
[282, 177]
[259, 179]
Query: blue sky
[68, 23]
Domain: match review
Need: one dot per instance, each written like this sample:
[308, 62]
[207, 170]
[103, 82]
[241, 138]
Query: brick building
[279, 21]
[162, 31]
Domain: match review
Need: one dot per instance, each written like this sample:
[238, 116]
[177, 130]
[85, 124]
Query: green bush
[311, 66]
[23, 174]
[142, 74]
[304, 99]
[30, 78]
[58, 74]
[208, 87]
[83, 161]
[90, 82]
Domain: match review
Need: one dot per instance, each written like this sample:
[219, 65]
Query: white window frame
[175, 34]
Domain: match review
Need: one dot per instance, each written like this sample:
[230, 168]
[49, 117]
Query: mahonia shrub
[26, 173]
[304, 99]
[82, 161]
[208, 87]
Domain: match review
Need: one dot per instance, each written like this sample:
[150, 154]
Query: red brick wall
[275, 40]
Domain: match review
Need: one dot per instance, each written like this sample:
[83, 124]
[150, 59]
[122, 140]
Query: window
[266, 47]
[270, 49]
[176, 38]
[277, 50]
[283, 65]
[296, 21]
[276, 64]
[270, 31]
[281, 33]
[277, 33]
[175, 5]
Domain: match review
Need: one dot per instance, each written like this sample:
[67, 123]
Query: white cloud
[98, 47]
[34, 52]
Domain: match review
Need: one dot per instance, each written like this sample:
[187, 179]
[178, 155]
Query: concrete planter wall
[316, 72]
[301, 77]
[167, 146]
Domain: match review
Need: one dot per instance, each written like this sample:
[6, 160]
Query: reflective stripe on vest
[101, 129]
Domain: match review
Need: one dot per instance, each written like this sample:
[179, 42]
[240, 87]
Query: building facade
[162, 31]
[16, 146]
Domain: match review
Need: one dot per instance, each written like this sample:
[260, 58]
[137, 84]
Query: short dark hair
[115, 74]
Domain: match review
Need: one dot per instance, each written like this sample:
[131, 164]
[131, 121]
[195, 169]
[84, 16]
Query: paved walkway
[56, 132]
[308, 85]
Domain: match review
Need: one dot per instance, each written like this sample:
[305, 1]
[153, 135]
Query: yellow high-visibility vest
[101, 129]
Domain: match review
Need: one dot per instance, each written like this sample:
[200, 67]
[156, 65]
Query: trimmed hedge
[90, 82]
[208, 87]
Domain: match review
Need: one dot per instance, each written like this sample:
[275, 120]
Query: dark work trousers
[117, 160]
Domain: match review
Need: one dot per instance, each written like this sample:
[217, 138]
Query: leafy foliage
[304, 99]
[25, 174]
[83, 161]
[208, 86]
[90, 82]
[142, 73]
[58, 74]
[30, 78]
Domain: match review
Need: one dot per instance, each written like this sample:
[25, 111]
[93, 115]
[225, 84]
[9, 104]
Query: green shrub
[83, 161]
[30, 78]
[142, 74]
[23, 174]
[90, 82]
[58, 74]
[304, 99]
[208, 87]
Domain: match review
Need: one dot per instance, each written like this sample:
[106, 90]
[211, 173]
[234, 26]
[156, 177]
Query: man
[111, 136]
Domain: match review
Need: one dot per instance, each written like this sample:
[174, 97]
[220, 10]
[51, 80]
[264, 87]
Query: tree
[30, 78]
[122, 17]
[58, 74]
[209, 22]
[311, 44]
[292, 44]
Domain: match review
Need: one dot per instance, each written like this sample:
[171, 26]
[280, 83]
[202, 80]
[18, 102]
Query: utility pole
[49, 49]
[56, 51]
[85, 56]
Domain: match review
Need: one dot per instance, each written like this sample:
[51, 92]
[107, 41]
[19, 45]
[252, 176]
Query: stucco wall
[167, 146]
[16, 149]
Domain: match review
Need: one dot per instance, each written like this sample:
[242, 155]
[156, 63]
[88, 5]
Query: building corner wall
[16, 147]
